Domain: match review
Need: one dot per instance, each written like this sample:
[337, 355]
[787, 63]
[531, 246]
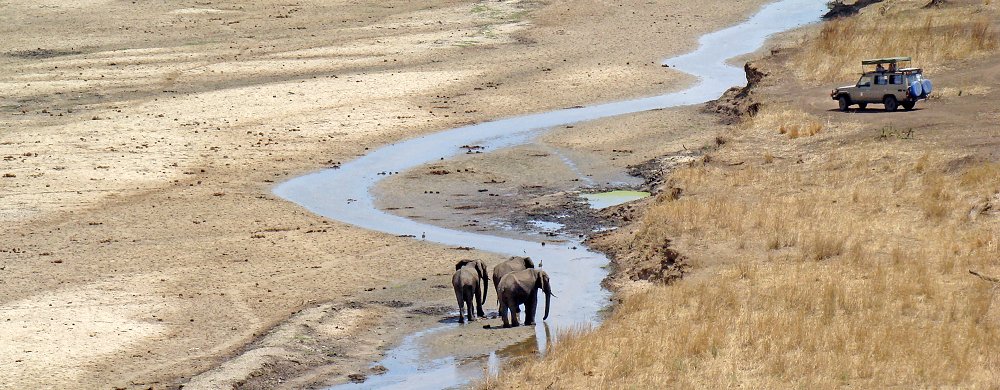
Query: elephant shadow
[452, 318]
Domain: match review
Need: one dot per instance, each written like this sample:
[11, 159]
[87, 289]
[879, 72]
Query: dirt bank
[142, 245]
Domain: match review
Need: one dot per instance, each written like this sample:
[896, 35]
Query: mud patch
[394, 304]
[655, 171]
[40, 53]
[436, 310]
[738, 103]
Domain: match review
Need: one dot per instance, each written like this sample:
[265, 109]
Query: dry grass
[844, 278]
[933, 37]
[792, 122]
[953, 92]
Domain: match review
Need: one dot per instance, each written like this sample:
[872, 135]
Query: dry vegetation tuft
[792, 122]
[933, 37]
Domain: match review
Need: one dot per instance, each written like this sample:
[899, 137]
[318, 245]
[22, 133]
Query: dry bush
[793, 122]
[953, 92]
[981, 178]
[933, 37]
[863, 288]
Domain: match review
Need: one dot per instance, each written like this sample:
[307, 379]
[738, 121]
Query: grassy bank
[935, 37]
[823, 252]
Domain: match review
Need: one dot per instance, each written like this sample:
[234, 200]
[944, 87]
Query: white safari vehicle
[885, 81]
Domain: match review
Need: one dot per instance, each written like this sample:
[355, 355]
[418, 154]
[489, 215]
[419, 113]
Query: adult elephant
[521, 288]
[515, 263]
[471, 283]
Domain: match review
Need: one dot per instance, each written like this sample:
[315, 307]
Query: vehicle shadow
[873, 110]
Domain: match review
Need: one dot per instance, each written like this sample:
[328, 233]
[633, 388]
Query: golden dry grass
[843, 274]
[933, 37]
[789, 121]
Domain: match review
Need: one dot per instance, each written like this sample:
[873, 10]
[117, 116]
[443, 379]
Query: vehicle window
[865, 81]
[895, 79]
[880, 80]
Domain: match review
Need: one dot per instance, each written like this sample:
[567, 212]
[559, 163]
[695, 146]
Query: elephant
[515, 263]
[521, 288]
[471, 282]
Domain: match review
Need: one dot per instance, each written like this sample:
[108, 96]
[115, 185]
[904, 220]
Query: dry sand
[141, 243]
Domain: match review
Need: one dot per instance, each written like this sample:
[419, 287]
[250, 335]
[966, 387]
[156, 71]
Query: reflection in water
[576, 274]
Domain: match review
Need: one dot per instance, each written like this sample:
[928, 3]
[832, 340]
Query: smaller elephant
[471, 283]
[521, 288]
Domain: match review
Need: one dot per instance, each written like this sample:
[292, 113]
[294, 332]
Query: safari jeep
[884, 81]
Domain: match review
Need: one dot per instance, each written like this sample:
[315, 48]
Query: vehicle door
[864, 89]
[881, 88]
[897, 86]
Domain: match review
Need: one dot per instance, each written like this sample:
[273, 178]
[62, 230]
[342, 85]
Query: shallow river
[345, 194]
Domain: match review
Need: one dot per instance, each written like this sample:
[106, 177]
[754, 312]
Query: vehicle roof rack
[889, 60]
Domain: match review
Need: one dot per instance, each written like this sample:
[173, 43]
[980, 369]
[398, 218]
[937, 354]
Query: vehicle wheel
[890, 103]
[843, 102]
[908, 105]
[862, 105]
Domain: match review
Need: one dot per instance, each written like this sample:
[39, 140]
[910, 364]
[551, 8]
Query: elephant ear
[461, 263]
[528, 263]
[481, 269]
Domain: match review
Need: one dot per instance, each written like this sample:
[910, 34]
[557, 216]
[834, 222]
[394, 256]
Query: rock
[838, 9]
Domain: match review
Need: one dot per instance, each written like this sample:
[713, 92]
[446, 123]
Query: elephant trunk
[548, 296]
[486, 290]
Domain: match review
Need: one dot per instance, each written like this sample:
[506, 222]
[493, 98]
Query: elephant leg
[529, 311]
[461, 319]
[514, 321]
[503, 314]
[479, 305]
[469, 306]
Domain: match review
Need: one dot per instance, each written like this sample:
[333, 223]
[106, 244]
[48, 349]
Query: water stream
[345, 194]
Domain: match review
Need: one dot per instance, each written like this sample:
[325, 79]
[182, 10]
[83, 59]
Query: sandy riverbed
[142, 245]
